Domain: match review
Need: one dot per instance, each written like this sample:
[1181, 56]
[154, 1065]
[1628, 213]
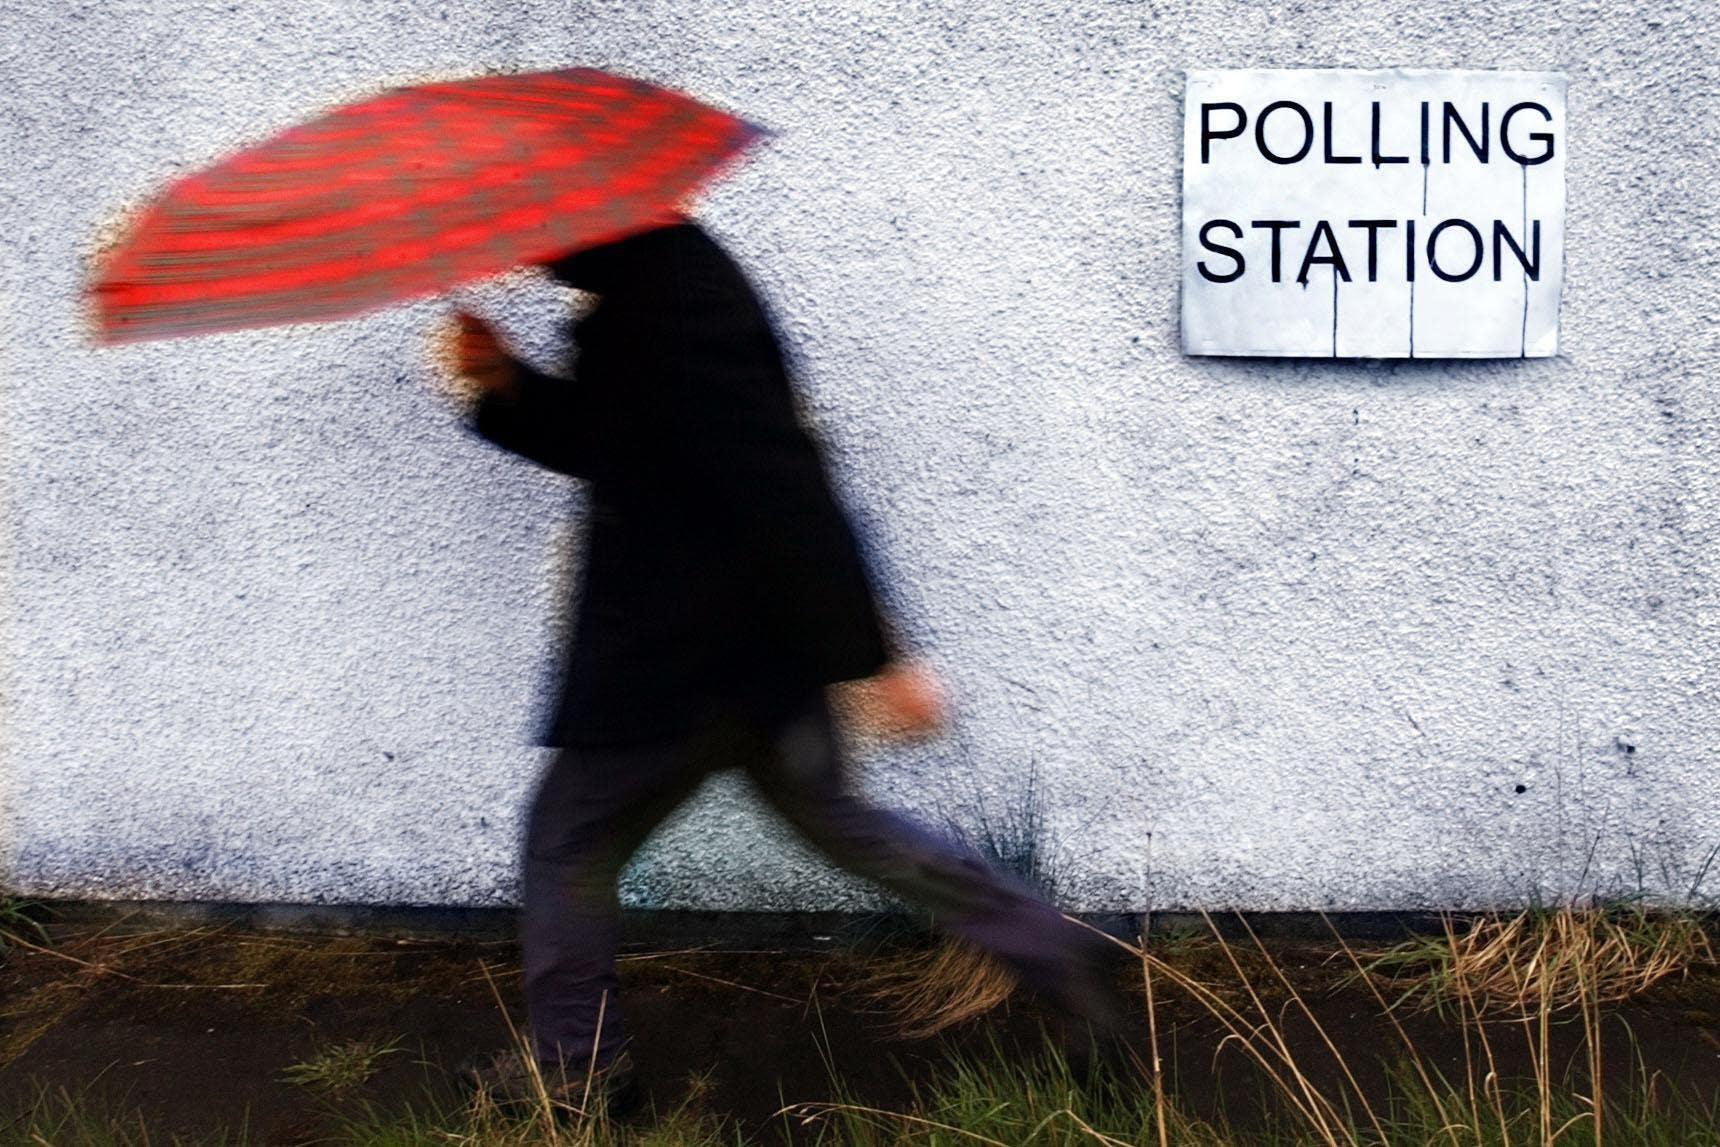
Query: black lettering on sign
[1335, 260]
[1451, 117]
[1208, 133]
[1375, 149]
[1330, 158]
[1531, 263]
[1373, 227]
[1307, 131]
[1323, 249]
[1219, 249]
[1433, 247]
[1545, 138]
[1277, 227]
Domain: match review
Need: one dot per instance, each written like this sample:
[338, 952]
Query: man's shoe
[1090, 1024]
[1094, 1056]
[509, 1080]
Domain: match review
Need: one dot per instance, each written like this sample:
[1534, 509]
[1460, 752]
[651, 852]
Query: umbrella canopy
[407, 194]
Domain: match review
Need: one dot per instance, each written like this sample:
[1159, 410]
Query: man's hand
[477, 357]
[903, 699]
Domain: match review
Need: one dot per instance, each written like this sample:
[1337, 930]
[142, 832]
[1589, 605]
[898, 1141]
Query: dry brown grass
[931, 991]
[1555, 958]
[1318, 1086]
[1537, 968]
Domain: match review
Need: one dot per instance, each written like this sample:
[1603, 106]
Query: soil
[193, 1029]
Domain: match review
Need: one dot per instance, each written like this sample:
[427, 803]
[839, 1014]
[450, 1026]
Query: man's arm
[521, 409]
[541, 418]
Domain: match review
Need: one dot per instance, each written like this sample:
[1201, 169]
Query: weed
[941, 987]
[1002, 1099]
[62, 1118]
[1316, 1094]
[954, 982]
[1178, 939]
[1559, 956]
[1323, 1103]
[1013, 838]
[341, 1067]
[549, 1115]
[19, 918]
[481, 1122]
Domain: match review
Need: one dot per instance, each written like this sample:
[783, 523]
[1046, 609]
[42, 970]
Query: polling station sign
[1373, 214]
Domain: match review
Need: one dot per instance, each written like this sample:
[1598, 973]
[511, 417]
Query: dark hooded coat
[719, 567]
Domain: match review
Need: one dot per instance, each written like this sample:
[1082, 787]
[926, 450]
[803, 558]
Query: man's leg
[801, 774]
[594, 807]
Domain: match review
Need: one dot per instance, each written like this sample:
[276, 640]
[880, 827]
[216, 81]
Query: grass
[941, 987]
[64, 1119]
[1015, 838]
[479, 1122]
[58, 1117]
[1559, 957]
[1531, 991]
[1526, 979]
[1323, 1103]
[952, 982]
[1000, 1098]
[19, 919]
[994, 1099]
[339, 1067]
[989, 1101]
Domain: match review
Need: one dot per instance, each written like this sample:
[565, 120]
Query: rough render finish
[275, 626]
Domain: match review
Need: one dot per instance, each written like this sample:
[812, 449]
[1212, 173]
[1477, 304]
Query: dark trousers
[596, 805]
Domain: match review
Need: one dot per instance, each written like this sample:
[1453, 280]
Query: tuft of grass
[1313, 1090]
[953, 982]
[1321, 1102]
[18, 920]
[1557, 957]
[1014, 838]
[939, 988]
[480, 1122]
[58, 1117]
[340, 1067]
[1002, 1099]
[1179, 939]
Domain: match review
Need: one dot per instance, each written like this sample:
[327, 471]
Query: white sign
[1373, 214]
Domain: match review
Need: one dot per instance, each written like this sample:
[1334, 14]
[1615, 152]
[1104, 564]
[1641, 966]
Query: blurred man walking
[723, 590]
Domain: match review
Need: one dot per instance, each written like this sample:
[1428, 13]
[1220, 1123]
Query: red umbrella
[407, 194]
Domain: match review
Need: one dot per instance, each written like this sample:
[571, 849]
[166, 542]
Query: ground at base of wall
[202, 1031]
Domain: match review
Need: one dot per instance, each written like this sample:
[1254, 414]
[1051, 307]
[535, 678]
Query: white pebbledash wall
[1269, 634]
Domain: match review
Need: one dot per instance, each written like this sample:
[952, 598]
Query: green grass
[999, 1099]
[341, 1067]
[61, 1118]
[20, 920]
[1520, 979]
[993, 1101]
[983, 1099]
[479, 1123]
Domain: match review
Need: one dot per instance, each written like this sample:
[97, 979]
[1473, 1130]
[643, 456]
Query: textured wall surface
[1349, 635]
